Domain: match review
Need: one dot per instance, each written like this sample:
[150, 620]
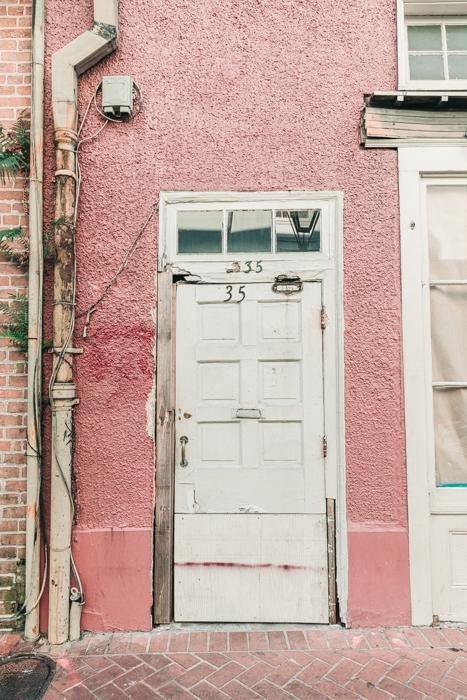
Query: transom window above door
[270, 233]
[248, 231]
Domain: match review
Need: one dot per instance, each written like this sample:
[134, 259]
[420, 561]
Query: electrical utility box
[117, 95]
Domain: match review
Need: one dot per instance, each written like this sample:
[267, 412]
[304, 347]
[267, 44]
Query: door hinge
[325, 446]
[324, 318]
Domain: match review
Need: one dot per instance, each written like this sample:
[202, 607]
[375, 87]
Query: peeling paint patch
[250, 508]
[151, 400]
[106, 31]
[151, 411]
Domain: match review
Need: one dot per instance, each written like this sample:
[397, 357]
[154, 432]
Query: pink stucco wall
[239, 95]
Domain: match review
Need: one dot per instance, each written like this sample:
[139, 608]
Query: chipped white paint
[151, 399]
[250, 508]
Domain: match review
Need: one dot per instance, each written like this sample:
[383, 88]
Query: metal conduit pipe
[34, 443]
[67, 64]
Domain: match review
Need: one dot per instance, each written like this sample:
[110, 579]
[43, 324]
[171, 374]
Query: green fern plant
[16, 326]
[14, 245]
[14, 150]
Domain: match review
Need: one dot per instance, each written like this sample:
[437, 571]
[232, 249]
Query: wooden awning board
[392, 119]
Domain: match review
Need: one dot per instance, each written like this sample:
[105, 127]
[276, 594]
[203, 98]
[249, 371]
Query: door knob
[183, 460]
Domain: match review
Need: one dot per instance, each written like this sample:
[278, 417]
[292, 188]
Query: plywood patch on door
[262, 558]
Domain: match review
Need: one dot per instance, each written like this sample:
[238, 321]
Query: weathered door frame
[324, 267]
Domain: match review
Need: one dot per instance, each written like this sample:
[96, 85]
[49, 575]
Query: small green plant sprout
[14, 150]
[15, 328]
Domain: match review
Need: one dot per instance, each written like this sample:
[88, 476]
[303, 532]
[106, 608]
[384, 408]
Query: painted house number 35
[239, 293]
[236, 267]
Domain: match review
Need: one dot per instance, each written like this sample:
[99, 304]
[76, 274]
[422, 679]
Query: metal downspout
[34, 411]
[67, 64]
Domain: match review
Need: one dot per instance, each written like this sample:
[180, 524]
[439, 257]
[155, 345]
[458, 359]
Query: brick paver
[305, 663]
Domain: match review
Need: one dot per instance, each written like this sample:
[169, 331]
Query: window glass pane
[426, 67]
[449, 333]
[425, 37]
[298, 230]
[457, 65]
[249, 231]
[447, 231]
[199, 231]
[447, 237]
[456, 37]
[450, 414]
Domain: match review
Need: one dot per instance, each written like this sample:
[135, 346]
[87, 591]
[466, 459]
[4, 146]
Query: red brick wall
[15, 91]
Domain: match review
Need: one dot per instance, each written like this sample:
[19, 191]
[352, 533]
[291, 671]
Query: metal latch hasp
[287, 284]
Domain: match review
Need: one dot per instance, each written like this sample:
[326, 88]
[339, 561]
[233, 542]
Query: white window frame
[403, 21]
[330, 204]
[325, 266]
[419, 167]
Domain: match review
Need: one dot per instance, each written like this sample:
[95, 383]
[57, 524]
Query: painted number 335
[235, 296]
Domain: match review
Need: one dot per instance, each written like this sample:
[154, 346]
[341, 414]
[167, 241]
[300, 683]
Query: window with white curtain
[447, 241]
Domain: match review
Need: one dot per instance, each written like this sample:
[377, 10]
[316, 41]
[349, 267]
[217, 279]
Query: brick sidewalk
[304, 663]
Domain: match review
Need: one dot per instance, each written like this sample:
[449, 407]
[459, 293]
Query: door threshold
[243, 626]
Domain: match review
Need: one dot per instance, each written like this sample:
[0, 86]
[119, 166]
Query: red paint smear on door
[237, 565]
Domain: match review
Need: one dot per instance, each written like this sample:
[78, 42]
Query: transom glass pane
[199, 231]
[249, 231]
[447, 231]
[298, 230]
[447, 236]
[437, 51]
[456, 37]
[425, 37]
[457, 64]
[426, 66]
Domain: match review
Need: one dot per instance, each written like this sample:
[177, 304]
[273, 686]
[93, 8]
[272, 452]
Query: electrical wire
[60, 356]
[60, 359]
[91, 309]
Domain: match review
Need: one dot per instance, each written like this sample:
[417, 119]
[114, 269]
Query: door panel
[261, 568]
[449, 554]
[249, 496]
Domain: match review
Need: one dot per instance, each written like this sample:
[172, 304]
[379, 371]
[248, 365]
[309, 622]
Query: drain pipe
[67, 64]
[36, 263]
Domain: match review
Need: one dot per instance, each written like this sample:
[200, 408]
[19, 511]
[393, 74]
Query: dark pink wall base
[379, 587]
[118, 568]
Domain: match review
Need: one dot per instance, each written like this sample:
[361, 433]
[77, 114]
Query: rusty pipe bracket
[67, 173]
[68, 351]
[63, 390]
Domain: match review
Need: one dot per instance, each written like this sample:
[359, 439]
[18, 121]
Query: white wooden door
[446, 318]
[250, 524]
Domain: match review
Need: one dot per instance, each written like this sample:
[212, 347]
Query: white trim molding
[417, 166]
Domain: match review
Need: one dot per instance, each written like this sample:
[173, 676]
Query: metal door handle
[183, 460]
[248, 413]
